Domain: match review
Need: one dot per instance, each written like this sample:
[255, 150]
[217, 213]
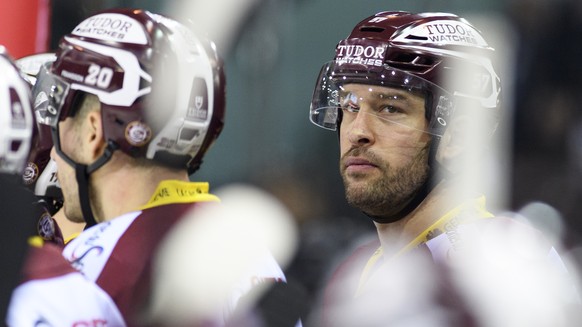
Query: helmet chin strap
[82, 173]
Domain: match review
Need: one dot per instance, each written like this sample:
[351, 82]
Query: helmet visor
[49, 94]
[390, 91]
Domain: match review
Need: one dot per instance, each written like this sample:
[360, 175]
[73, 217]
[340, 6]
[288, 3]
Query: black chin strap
[82, 175]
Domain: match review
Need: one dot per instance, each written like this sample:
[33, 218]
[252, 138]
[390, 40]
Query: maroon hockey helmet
[161, 88]
[16, 117]
[40, 173]
[415, 52]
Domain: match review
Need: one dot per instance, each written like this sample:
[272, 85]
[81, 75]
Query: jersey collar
[176, 191]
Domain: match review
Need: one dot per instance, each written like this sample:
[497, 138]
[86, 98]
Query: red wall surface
[24, 26]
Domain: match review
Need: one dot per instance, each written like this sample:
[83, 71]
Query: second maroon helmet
[40, 173]
[161, 88]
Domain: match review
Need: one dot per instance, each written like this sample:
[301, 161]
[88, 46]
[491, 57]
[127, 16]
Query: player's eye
[390, 109]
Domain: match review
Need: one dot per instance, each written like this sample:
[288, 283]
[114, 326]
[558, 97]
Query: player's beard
[385, 196]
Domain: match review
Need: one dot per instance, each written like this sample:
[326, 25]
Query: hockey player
[401, 92]
[134, 101]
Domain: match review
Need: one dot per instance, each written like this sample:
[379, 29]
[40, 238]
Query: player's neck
[122, 187]
[68, 228]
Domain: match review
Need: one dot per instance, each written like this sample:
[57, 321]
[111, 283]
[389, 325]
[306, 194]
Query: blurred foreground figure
[19, 209]
[16, 210]
[134, 100]
[406, 92]
[244, 230]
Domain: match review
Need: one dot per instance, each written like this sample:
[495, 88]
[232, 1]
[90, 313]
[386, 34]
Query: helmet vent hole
[424, 60]
[15, 146]
[411, 62]
[372, 29]
[188, 134]
[416, 37]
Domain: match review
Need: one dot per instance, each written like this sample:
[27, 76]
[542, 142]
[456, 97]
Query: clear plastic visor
[49, 94]
[387, 95]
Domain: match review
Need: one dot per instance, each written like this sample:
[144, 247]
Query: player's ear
[93, 137]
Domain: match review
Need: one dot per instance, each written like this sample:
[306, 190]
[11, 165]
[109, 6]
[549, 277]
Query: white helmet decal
[97, 78]
[442, 32]
[112, 27]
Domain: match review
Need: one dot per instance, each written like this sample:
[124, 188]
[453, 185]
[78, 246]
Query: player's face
[66, 174]
[384, 147]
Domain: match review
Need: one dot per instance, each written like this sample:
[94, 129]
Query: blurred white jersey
[468, 269]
